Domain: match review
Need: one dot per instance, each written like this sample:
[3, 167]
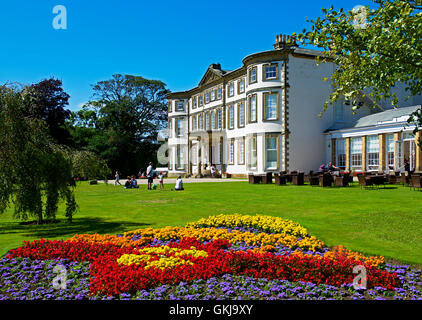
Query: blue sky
[172, 41]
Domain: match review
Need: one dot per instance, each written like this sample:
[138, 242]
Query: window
[231, 117]
[207, 97]
[201, 101]
[339, 111]
[356, 153]
[270, 72]
[179, 127]
[194, 123]
[170, 128]
[241, 114]
[252, 153]
[212, 95]
[213, 120]
[252, 75]
[241, 147]
[169, 106]
[271, 152]
[201, 122]
[207, 121]
[231, 151]
[372, 152]
[179, 157]
[219, 93]
[219, 118]
[390, 150]
[341, 153]
[270, 106]
[179, 106]
[241, 86]
[252, 108]
[194, 102]
[230, 91]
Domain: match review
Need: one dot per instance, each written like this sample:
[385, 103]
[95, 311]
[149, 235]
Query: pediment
[209, 76]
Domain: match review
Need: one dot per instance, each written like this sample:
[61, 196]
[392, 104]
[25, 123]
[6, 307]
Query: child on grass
[161, 180]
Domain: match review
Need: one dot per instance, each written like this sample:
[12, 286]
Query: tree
[35, 172]
[121, 123]
[86, 164]
[47, 101]
[373, 49]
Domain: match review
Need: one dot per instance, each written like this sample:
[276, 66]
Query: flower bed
[273, 255]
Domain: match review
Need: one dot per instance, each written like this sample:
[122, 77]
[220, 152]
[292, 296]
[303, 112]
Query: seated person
[134, 182]
[333, 169]
[323, 168]
[128, 183]
[213, 171]
[179, 184]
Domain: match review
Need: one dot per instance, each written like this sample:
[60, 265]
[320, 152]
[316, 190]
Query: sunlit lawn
[379, 222]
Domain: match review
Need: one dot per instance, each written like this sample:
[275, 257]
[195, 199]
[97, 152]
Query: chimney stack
[283, 41]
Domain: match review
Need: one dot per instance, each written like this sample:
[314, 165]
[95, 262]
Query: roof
[391, 116]
[386, 117]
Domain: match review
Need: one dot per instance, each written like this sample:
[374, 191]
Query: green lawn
[384, 222]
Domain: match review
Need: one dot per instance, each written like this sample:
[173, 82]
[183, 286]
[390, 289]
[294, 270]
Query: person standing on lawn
[117, 176]
[150, 176]
[161, 180]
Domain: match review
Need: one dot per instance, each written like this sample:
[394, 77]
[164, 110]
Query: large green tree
[373, 48]
[35, 172]
[48, 101]
[122, 121]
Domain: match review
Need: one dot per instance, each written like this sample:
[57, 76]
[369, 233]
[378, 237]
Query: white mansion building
[263, 117]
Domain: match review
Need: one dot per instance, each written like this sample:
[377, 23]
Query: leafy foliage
[35, 173]
[47, 101]
[122, 123]
[373, 48]
[86, 164]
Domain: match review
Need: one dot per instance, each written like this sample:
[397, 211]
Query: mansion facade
[264, 117]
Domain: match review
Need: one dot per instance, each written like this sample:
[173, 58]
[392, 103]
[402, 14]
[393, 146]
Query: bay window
[270, 106]
[271, 152]
[252, 108]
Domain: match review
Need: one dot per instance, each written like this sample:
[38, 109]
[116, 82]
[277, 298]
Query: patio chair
[279, 179]
[298, 179]
[364, 182]
[404, 179]
[314, 180]
[251, 179]
[267, 178]
[325, 180]
[415, 182]
[342, 181]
